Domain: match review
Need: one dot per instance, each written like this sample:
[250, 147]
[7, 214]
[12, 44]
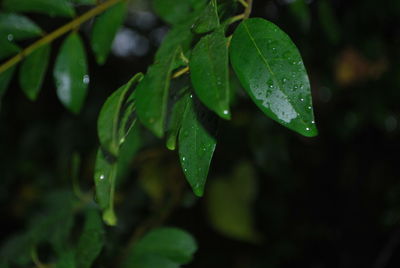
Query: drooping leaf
[104, 29]
[175, 12]
[172, 244]
[272, 72]
[230, 201]
[196, 145]
[53, 8]
[209, 71]
[208, 20]
[105, 174]
[32, 71]
[7, 49]
[91, 240]
[71, 74]
[15, 27]
[109, 121]
[5, 79]
[152, 94]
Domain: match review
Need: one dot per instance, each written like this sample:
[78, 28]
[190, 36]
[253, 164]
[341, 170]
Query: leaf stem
[58, 32]
[181, 72]
[248, 9]
[244, 3]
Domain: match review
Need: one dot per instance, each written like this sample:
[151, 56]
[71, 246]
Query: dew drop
[86, 79]
[313, 122]
[225, 112]
[102, 177]
[191, 96]
[183, 158]
[301, 99]
[10, 37]
[309, 107]
[307, 128]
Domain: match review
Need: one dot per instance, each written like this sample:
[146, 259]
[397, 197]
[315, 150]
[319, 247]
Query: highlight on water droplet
[225, 112]
[102, 177]
[86, 79]
[307, 128]
[10, 37]
[183, 158]
[301, 99]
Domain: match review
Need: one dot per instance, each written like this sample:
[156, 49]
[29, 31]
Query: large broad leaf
[50, 7]
[32, 71]
[104, 29]
[71, 74]
[196, 145]
[109, 121]
[166, 246]
[17, 27]
[91, 240]
[272, 72]
[175, 12]
[209, 71]
[152, 94]
[208, 20]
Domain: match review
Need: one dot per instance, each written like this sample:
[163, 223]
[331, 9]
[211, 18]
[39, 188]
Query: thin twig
[57, 33]
[181, 72]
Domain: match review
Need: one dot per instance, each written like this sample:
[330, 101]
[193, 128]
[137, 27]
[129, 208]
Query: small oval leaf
[209, 71]
[271, 70]
[15, 27]
[104, 29]
[70, 73]
[62, 8]
[208, 20]
[196, 145]
[32, 71]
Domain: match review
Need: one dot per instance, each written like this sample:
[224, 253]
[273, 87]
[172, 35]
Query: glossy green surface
[152, 94]
[104, 30]
[33, 70]
[272, 72]
[71, 74]
[196, 145]
[175, 120]
[208, 19]
[15, 27]
[91, 240]
[50, 7]
[209, 72]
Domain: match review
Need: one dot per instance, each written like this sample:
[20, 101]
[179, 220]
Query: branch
[59, 32]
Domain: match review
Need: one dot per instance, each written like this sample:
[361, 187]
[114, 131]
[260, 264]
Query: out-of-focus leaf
[196, 145]
[91, 240]
[109, 121]
[175, 12]
[328, 21]
[229, 204]
[53, 8]
[208, 20]
[66, 259]
[104, 29]
[32, 71]
[152, 94]
[301, 12]
[17, 250]
[70, 73]
[209, 71]
[5, 79]
[83, 2]
[276, 79]
[7, 49]
[150, 261]
[17, 27]
[171, 244]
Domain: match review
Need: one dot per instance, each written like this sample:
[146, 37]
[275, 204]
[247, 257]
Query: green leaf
[17, 27]
[208, 20]
[83, 2]
[149, 261]
[5, 79]
[104, 29]
[175, 12]
[70, 73]
[33, 70]
[196, 145]
[7, 49]
[173, 244]
[152, 94]
[53, 8]
[109, 121]
[272, 72]
[66, 259]
[209, 71]
[328, 21]
[230, 202]
[301, 12]
[91, 240]
[105, 173]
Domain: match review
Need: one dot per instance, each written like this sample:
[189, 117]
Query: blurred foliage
[330, 201]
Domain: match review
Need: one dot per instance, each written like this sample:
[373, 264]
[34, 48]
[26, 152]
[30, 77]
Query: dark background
[329, 201]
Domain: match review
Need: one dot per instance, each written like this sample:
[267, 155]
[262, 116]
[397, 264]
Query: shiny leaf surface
[32, 71]
[209, 71]
[175, 120]
[104, 29]
[152, 94]
[272, 72]
[15, 27]
[196, 145]
[50, 7]
[71, 74]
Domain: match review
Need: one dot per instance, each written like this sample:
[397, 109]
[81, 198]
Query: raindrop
[86, 79]
[284, 80]
[102, 177]
[309, 107]
[307, 128]
[191, 96]
[301, 99]
[183, 158]
[313, 122]
[225, 112]
[10, 37]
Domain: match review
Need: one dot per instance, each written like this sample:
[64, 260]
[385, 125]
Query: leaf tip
[109, 217]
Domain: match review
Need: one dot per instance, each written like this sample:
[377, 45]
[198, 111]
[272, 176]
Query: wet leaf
[272, 72]
[71, 74]
[176, 117]
[196, 145]
[152, 94]
[91, 240]
[50, 7]
[104, 30]
[33, 70]
[209, 71]
[208, 20]
[15, 27]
